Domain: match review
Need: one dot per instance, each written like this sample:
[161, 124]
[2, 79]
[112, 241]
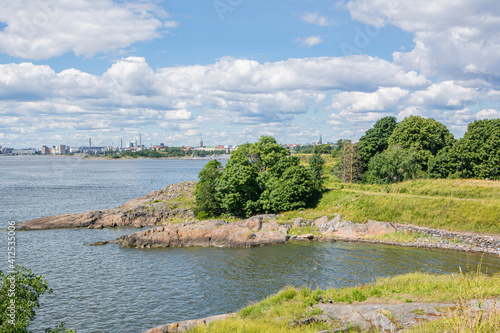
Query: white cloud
[488, 114]
[315, 18]
[380, 100]
[242, 97]
[453, 39]
[309, 41]
[45, 29]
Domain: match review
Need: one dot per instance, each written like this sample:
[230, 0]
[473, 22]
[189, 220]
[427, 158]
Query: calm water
[113, 289]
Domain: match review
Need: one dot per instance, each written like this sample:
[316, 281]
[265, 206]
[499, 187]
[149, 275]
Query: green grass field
[466, 205]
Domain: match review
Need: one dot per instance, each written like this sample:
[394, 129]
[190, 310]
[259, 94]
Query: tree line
[263, 178]
[419, 148]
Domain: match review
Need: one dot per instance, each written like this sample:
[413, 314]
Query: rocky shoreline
[366, 317]
[158, 207]
[173, 224]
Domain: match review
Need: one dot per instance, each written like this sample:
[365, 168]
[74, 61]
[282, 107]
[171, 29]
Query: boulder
[297, 222]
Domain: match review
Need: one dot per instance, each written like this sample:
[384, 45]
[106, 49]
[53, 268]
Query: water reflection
[130, 290]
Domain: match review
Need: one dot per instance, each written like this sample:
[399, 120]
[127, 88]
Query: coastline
[169, 210]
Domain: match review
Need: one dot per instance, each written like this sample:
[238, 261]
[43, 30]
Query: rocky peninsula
[158, 207]
[173, 224]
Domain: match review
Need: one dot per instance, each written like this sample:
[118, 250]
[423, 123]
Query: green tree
[376, 139]
[238, 188]
[266, 152]
[316, 164]
[28, 287]
[443, 164]
[477, 154]
[394, 164]
[207, 202]
[288, 186]
[322, 149]
[424, 136]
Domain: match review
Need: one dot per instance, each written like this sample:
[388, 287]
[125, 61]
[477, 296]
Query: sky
[230, 71]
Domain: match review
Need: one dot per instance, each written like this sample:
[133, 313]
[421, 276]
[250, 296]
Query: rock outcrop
[218, 233]
[157, 207]
[347, 229]
[183, 326]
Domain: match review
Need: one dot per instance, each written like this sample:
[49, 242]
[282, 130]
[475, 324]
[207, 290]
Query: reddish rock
[152, 209]
[205, 233]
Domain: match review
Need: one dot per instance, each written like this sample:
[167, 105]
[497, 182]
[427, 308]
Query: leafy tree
[477, 154]
[266, 152]
[316, 164]
[337, 148]
[288, 186]
[394, 164]
[305, 149]
[376, 139]
[27, 291]
[238, 188]
[425, 136]
[442, 165]
[258, 177]
[322, 149]
[206, 198]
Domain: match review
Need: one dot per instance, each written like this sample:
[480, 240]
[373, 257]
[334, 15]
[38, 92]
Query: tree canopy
[418, 147]
[259, 177]
[376, 139]
[425, 136]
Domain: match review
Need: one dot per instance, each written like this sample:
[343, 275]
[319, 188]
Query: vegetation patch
[281, 312]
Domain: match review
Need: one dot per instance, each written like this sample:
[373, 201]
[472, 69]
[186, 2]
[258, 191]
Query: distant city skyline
[236, 70]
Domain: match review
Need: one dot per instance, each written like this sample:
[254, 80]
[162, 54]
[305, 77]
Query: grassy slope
[455, 205]
[293, 304]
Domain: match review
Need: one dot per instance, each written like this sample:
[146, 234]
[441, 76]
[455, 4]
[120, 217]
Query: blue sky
[234, 70]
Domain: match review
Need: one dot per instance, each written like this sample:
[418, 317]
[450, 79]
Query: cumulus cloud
[230, 92]
[383, 99]
[45, 29]
[453, 39]
[309, 41]
[488, 114]
[315, 18]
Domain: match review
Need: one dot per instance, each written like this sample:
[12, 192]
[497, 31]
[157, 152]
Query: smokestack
[90, 143]
[140, 140]
[121, 143]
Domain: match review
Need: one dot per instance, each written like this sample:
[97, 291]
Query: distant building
[61, 149]
[74, 149]
[30, 151]
[6, 151]
[45, 150]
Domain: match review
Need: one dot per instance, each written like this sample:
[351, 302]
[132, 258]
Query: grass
[482, 216]
[449, 188]
[281, 312]
[409, 237]
[454, 205]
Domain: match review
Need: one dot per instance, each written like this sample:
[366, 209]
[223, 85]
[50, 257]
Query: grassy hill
[456, 205]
